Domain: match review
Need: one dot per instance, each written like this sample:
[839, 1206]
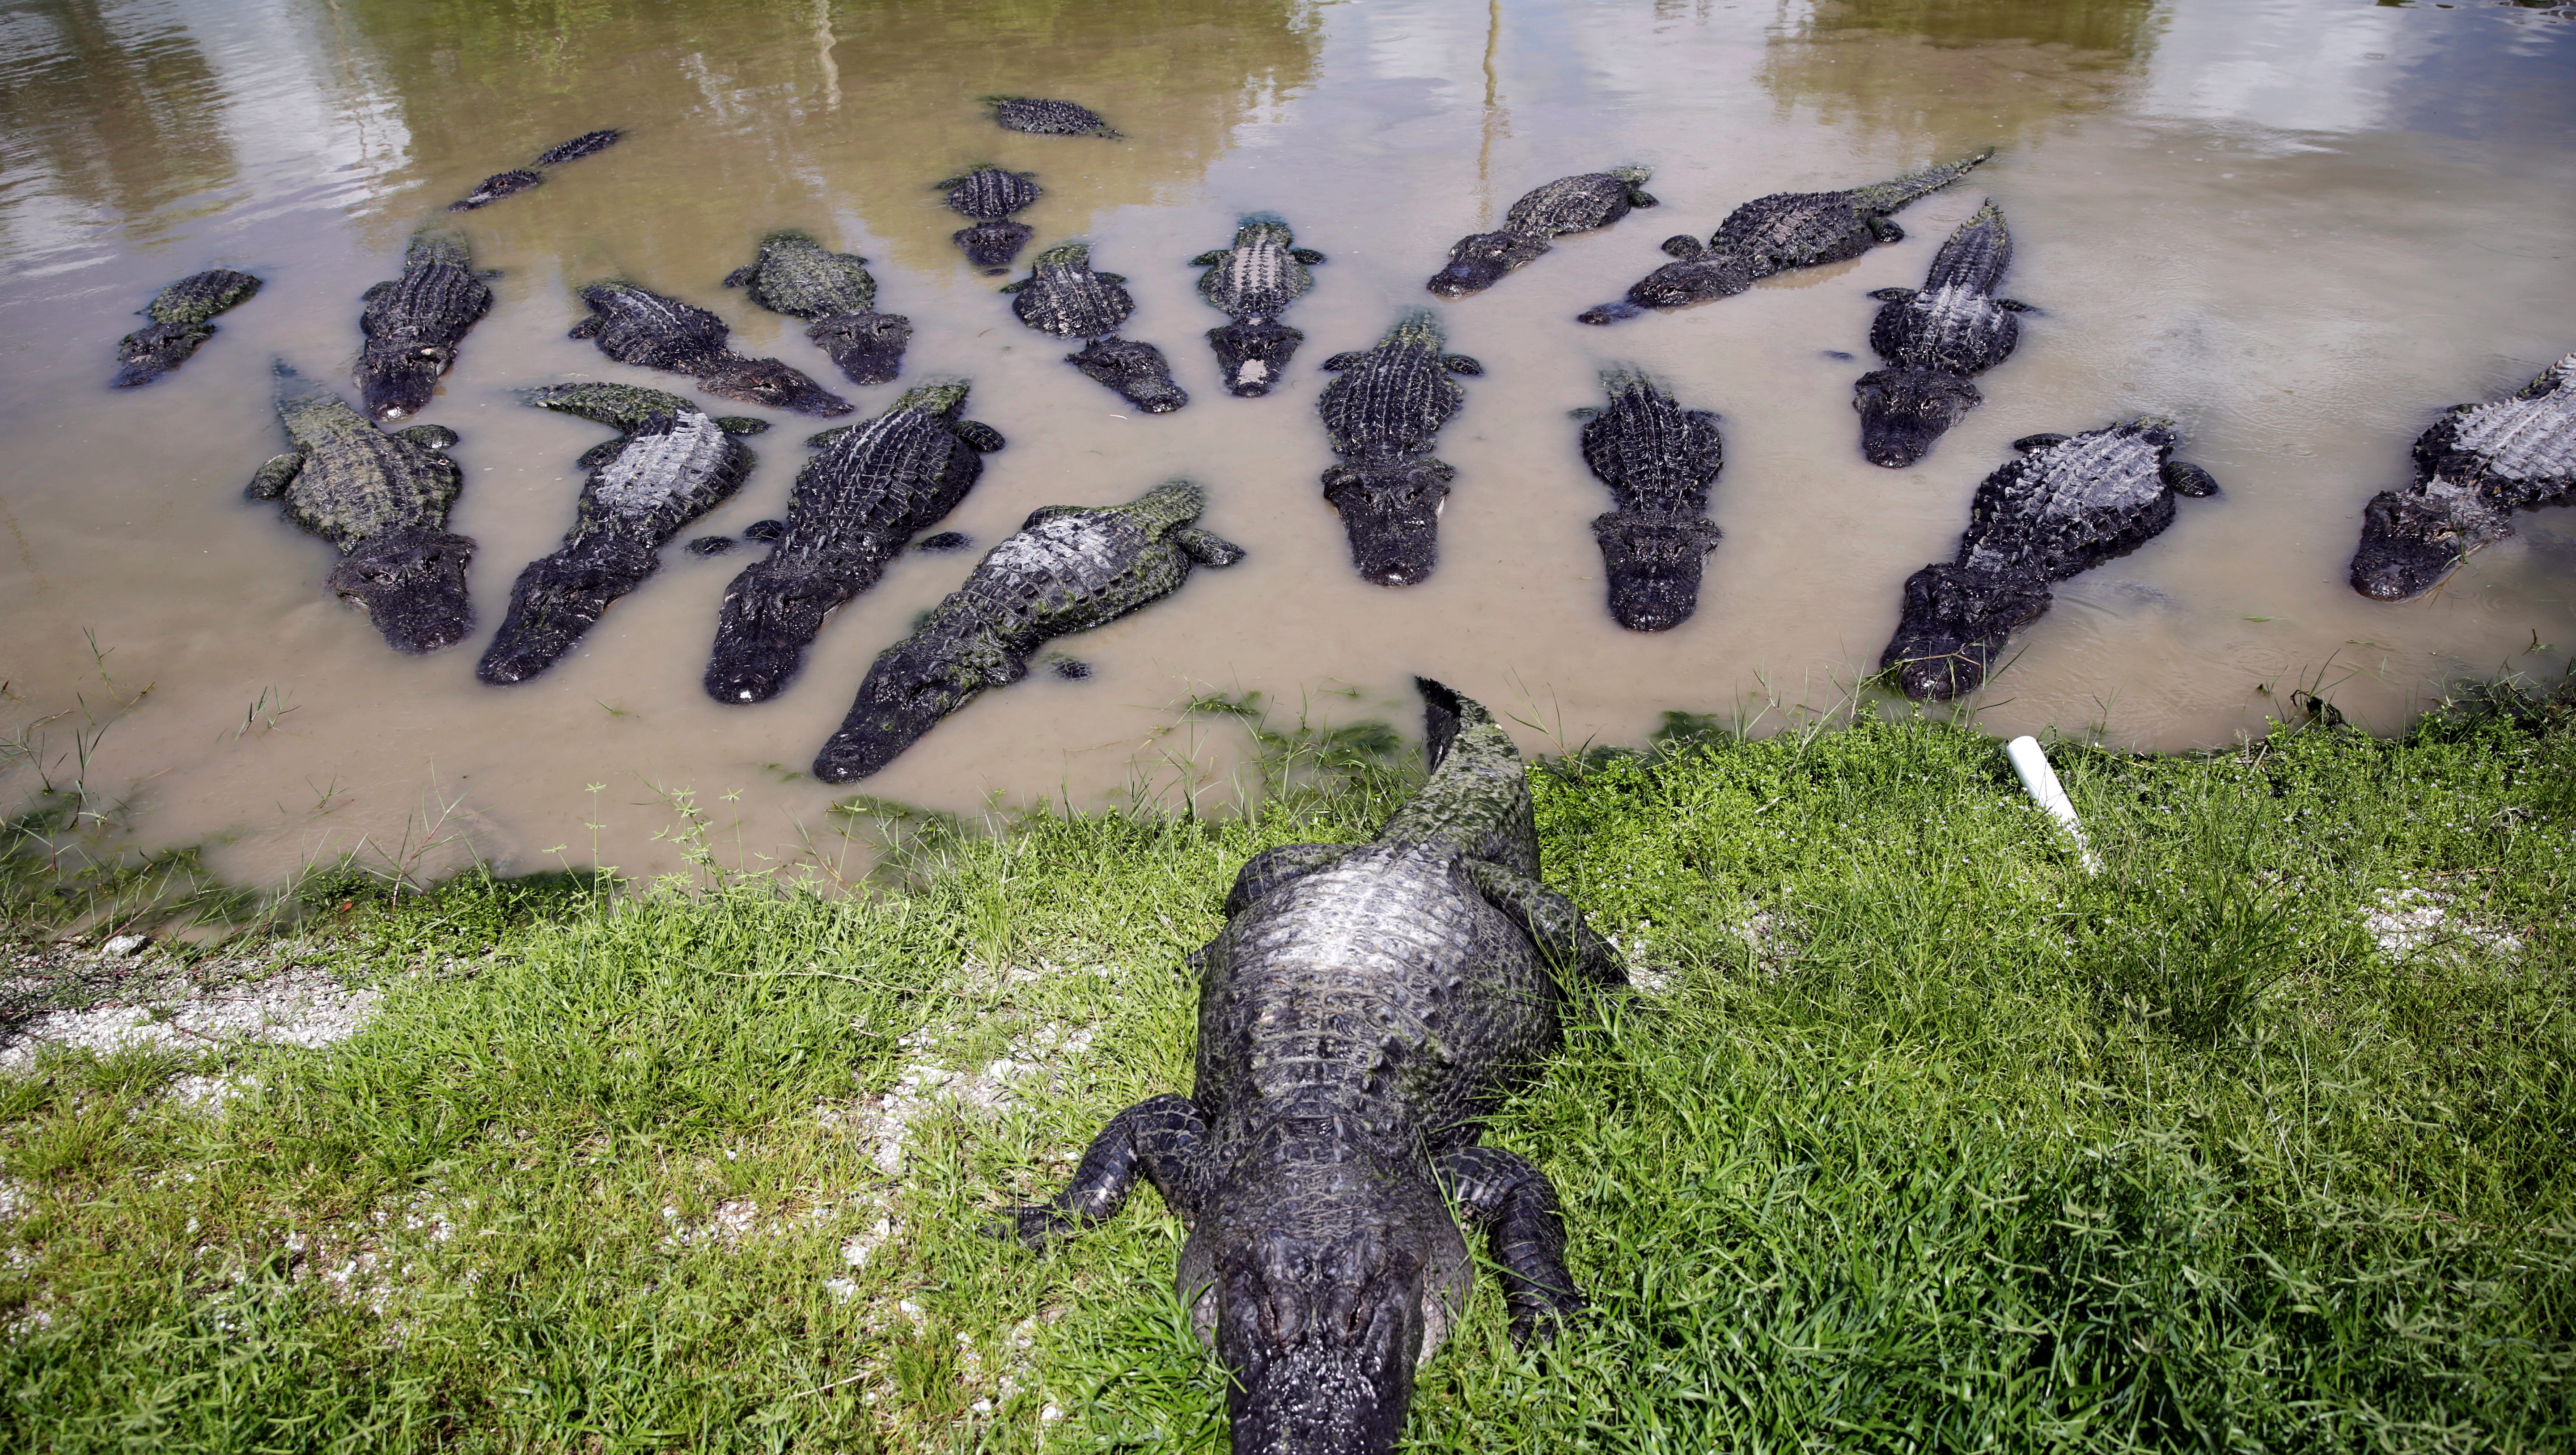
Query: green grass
[1925, 1140]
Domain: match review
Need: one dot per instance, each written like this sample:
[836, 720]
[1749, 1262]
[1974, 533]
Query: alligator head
[868, 346]
[767, 621]
[1709, 275]
[992, 244]
[411, 583]
[1654, 564]
[556, 600]
[1903, 412]
[910, 688]
[396, 375]
[1955, 623]
[2409, 542]
[1254, 355]
[1479, 260]
[1137, 371]
[152, 351]
[1392, 513]
[497, 186]
[771, 383]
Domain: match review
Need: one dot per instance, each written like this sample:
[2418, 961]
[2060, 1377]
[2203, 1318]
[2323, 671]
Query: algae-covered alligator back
[2474, 468]
[797, 276]
[638, 326]
[182, 318]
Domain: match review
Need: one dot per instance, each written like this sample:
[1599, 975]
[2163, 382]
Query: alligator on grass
[181, 319]
[794, 275]
[1068, 569]
[411, 325]
[1659, 461]
[637, 327]
[670, 464]
[1382, 412]
[1774, 234]
[2474, 468]
[1569, 204]
[381, 500]
[2059, 508]
[1047, 118]
[1365, 1010]
[505, 184]
[990, 195]
[1934, 341]
[1251, 283]
[874, 487]
[1065, 296]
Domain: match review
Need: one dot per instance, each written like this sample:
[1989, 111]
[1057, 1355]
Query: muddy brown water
[2302, 227]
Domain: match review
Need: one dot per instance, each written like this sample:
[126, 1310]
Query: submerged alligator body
[182, 317]
[509, 184]
[1041, 117]
[2474, 468]
[381, 500]
[1774, 234]
[634, 326]
[1659, 461]
[412, 324]
[1382, 414]
[1068, 569]
[874, 487]
[1934, 341]
[795, 275]
[1251, 283]
[1065, 296]
[2059, 508]
[1569, 204]
[670, 463]
[1364, 1012]
[990, 195]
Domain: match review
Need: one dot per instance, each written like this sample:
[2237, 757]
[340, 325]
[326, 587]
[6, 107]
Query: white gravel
[2418, 923]
[295, 1008]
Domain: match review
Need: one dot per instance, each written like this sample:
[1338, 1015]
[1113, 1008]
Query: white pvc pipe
[2040, 780]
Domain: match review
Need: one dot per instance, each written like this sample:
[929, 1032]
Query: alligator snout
[1392, 515]
[771, 383]
[868, 346]
[1955, 621]
[148, 353]
[1654, 567]
[1903, 413]
[2407, 547]
[1479, 261]
[1137, 371]
[411, 584]
[1253, 355]
[1711, 275]
[992, 244]
[1322, 1341]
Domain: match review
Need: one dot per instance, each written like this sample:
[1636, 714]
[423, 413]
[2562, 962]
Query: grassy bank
[1918, 1138]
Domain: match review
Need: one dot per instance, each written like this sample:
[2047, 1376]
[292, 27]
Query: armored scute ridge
[181, 319]
[413, 324]
[670, 464]
[1569, 204]
[1659, 461]
[505, 184]
[637, 327]
[1068, 569]
[1365, 1010]
[1934, 341]
[1382, 415]
[1775, 234]
[2058, 509]
[2474, 468]
[1251, 283]
[873, 487]
[381, 500]
[1047, 118]
[794, 275]
[990, 195]
[1064, 296]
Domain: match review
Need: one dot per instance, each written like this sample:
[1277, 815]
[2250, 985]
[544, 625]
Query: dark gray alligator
[1569, 204]
[990, 195]
[1251, 283]
[509, 184]
[381, 500]
[1934, 341]
[181, 319]
[412, 324]
[2059, 508]
[2474, 468]
[1364, 1012]
[1047, 118]
[1659, 461]
[637, 327]
[670, 463]
[1775, 234]
[794, 275]
[874, 487]
[1065, 296]
[1382, 414]
[1069, 568]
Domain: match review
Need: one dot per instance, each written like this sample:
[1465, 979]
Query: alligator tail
[1891, 195]
[1441, 709]
[1976, 255]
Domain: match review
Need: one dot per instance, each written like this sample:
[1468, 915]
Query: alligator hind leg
[1515, 1206]
[1160, 1137]
[1271, 868]
[1551, 921]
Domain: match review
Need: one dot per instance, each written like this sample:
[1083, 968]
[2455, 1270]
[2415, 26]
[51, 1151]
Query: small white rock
[123, 946]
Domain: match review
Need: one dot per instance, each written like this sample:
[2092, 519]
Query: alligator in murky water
[412, 324]
[1659, 461]
[1047, 118]
[670, 464]
[634, 326]
[1934, 341]
[2059, 508]
[1065, 296]
[1069, 568]
[990, 195]
[1364, 1012]
[874, 487]
[1382, 413]
[796, 276]
[181, 319]
[1251, 283]
[381, 500]
[1569, 204]
[1775, 234]
[2474, 468]
[508, 184]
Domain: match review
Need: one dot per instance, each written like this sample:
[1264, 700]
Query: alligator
[1381, 414]
[1069, 568]
[1047, 118]
[1363, 1013]
[990, 195]
[637, 327]
[381, 499]
[795, 276]
[2059, 508]
[1934, 341]
[181, 319]
[508, 184]
[1251, 283]
[670, 464]
[1775, 234]
[412, 324]
[2474, 468]
[1064, 296]
[873, 488]
[1659, 461]
[1569, 204]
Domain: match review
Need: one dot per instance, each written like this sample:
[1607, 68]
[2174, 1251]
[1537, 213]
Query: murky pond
[2301, 227]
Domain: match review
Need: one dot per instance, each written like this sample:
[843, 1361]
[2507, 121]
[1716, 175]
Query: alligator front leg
[1160, 1137]
[1514, 1205]
[1551, 921]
